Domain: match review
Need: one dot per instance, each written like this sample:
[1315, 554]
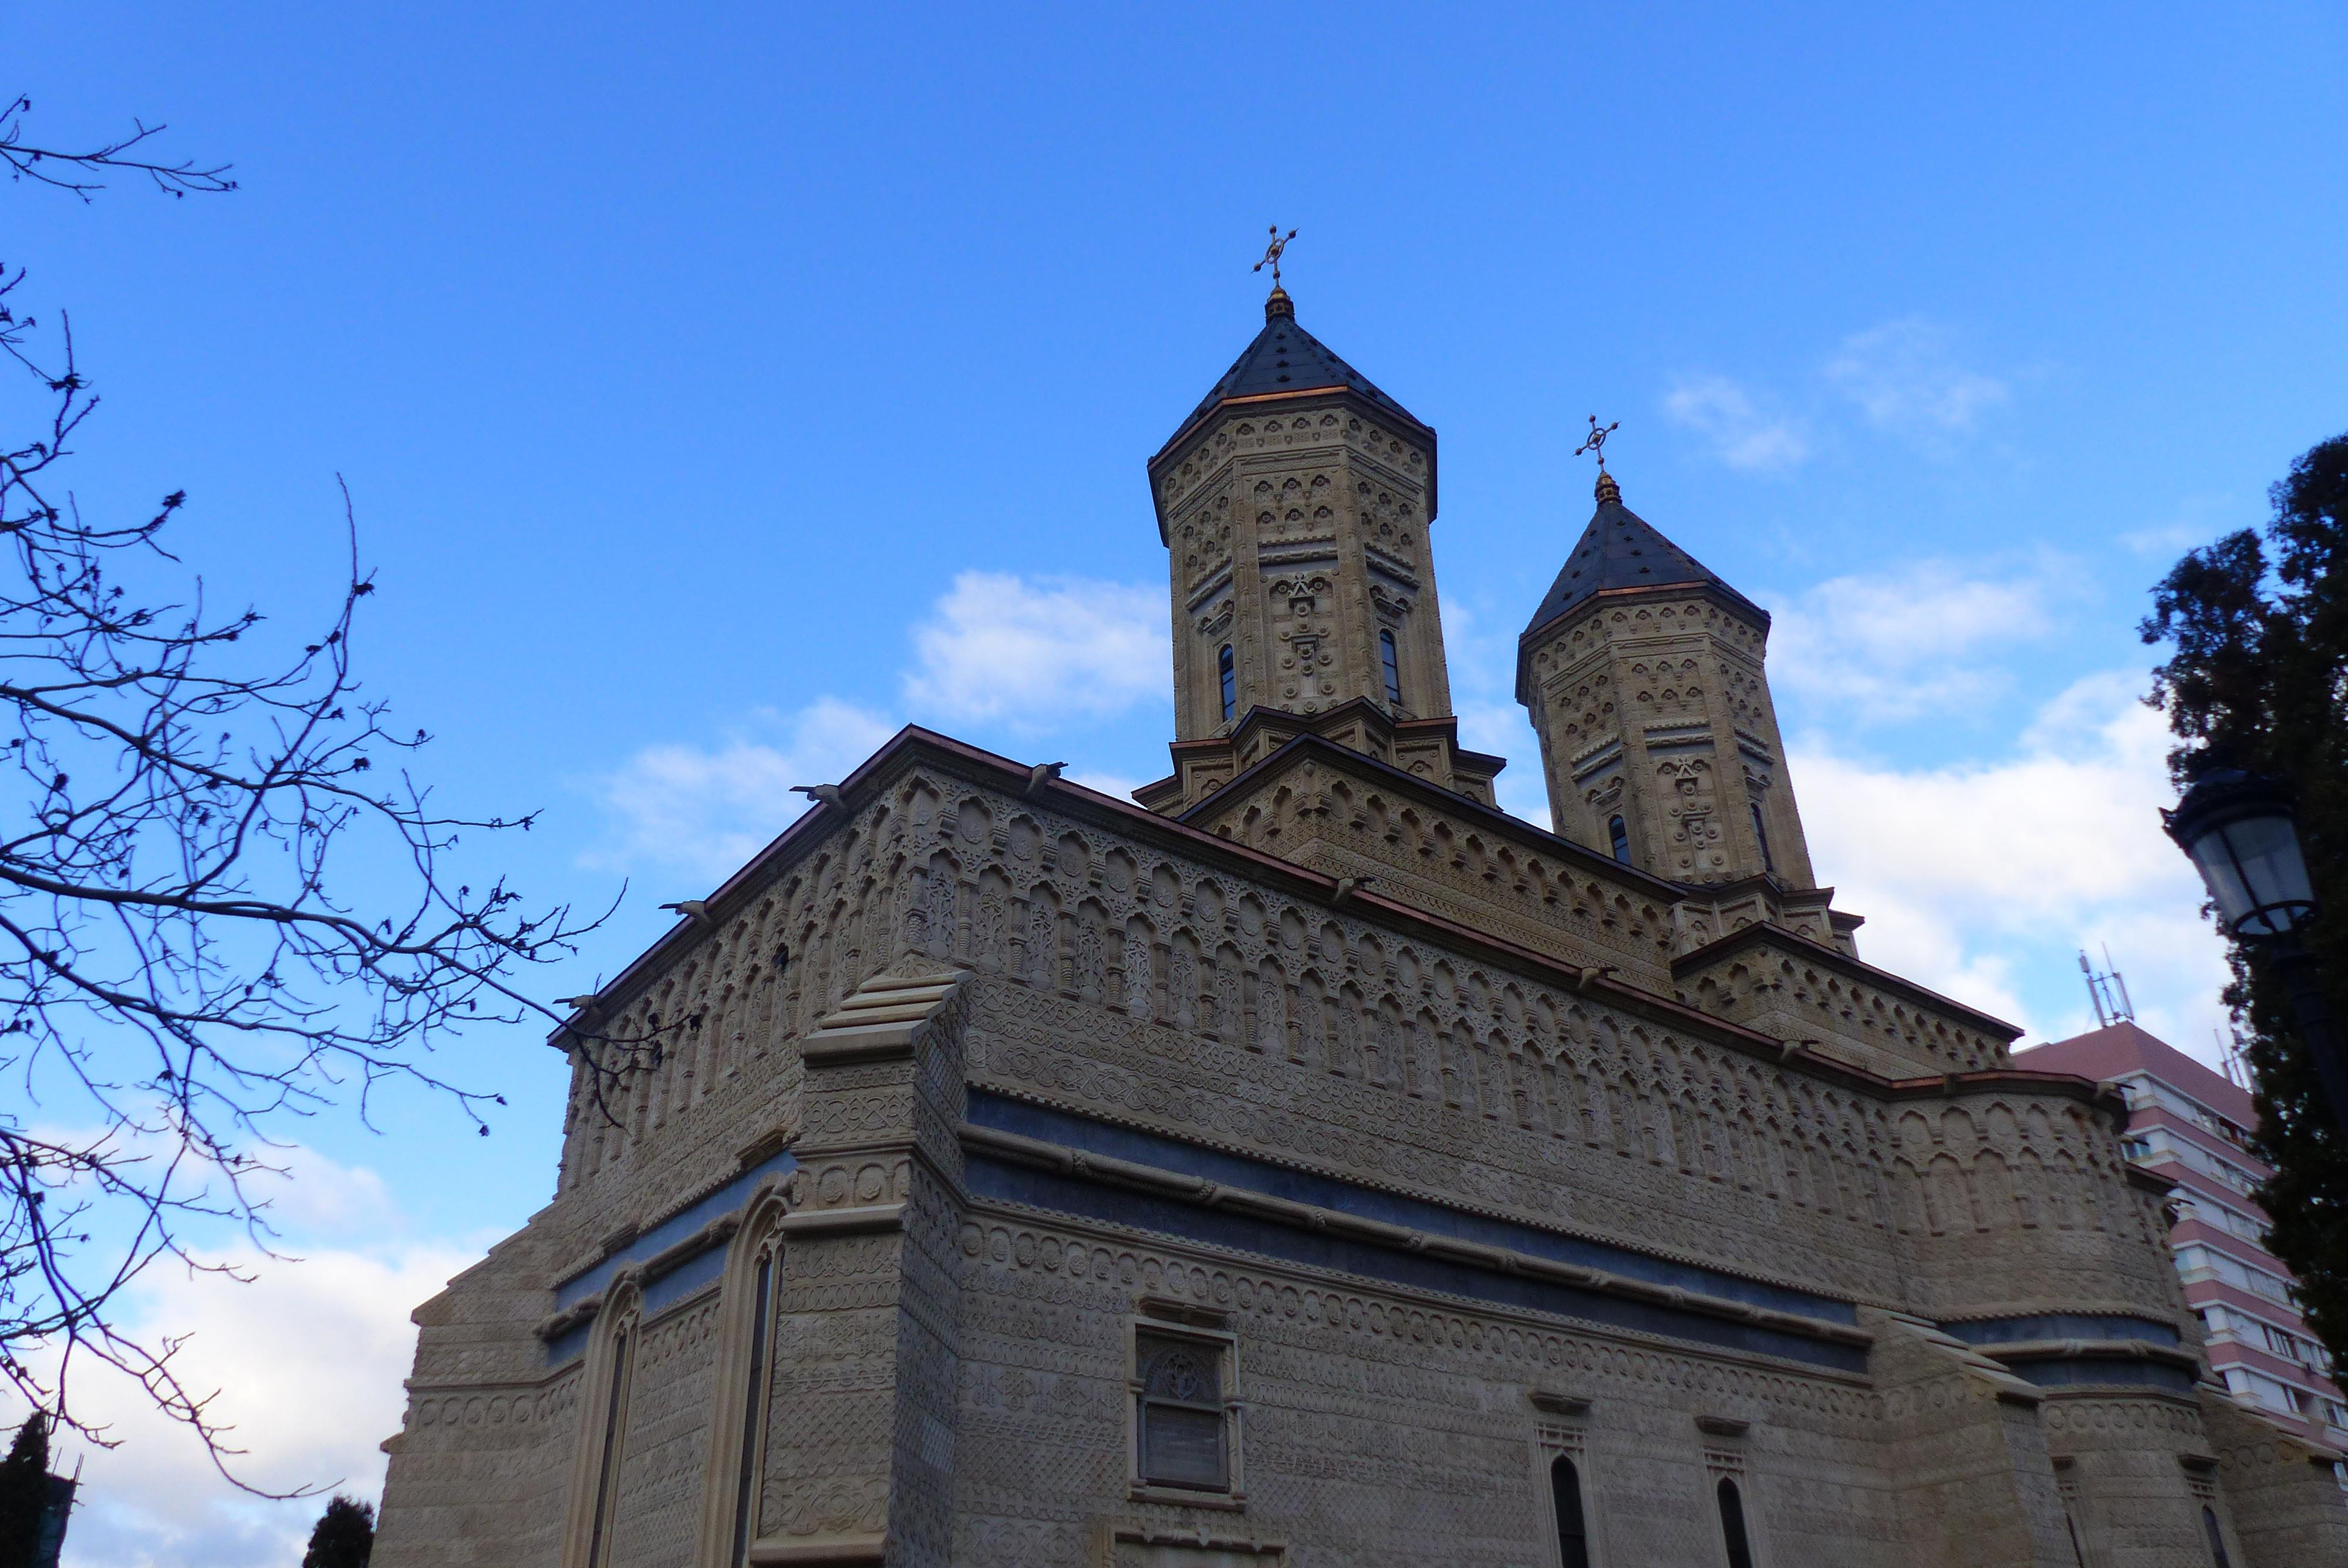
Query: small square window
[1183, 1413]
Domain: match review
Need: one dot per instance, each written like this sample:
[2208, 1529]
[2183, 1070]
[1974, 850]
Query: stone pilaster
[1963, 1446]
[860, 1441]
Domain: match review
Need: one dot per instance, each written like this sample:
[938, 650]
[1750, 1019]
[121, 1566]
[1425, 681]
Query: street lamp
[2243, 838]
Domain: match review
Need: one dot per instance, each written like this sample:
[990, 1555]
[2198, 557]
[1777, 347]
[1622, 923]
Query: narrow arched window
[1732, 1526]
[1573, 1531]
[1229, 675]
[2217, 1537]
[1621, 837]
[754, 1408]
[615, 1415]
[1761, 837]
[1394, 668]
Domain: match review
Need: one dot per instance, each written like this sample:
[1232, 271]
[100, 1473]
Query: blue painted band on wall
[671, 1231]
[1002, 1182]
[2099, 1370]
[2061, 1326]
[1070, 1131]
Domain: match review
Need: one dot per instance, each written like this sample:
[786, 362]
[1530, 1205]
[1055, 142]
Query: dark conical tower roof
[1621, 550]
[1285, 359]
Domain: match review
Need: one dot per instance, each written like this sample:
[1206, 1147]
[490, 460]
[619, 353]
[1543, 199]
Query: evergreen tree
[2258, 679]
[344, 1536]
[23, 1493]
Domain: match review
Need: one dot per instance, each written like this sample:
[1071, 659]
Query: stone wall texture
[1004, 1070]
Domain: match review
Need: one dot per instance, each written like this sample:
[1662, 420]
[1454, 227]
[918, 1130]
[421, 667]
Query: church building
[1314, 1164]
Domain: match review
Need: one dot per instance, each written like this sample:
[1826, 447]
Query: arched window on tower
[1761, 837]
[1229, 675]
[1620, 837]
[2217, 1537]
[1394, 667]
[1732, 1526]
[1572, 1530]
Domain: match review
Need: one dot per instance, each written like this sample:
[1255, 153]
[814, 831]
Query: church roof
[1620, 549]
[1286, 359]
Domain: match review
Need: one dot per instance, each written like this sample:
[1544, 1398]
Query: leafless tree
[226, 901]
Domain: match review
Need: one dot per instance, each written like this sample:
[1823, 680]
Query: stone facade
[1320, 1168]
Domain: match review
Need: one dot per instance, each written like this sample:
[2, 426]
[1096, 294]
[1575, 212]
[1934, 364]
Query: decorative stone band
[1201, 1539]
[846, 1551]
[1664, 1309]
[853, 1221]
[1402, 1210]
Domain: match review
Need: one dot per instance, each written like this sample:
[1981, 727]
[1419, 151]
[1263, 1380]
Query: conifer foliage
[344, 1536]
[2257, 678]
[24, 1493]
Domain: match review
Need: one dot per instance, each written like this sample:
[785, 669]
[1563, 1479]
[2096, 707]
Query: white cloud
[303, 1192]
[708, 810]
[1742, 432]
[1115, 784]
[1029, 656]
[1032, 655]
[307, 1361]
[1920, 640]
[1982, 880]
[1902, 375]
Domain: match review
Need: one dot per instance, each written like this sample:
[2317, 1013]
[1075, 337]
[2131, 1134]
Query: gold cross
[1271, 254]
[1597, 442]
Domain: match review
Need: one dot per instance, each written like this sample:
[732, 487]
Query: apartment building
[2190, 1125]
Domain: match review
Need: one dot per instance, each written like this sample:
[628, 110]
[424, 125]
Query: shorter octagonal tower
[1643, 672]
[1295, 504]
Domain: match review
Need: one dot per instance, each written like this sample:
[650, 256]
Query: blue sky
[722, 386]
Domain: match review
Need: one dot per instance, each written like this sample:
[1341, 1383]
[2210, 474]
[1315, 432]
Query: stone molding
[1308, 1217]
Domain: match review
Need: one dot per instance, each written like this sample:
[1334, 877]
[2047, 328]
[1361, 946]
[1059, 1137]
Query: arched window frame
[737, 1436]
[2214, 1529]
[1227, 678]
[1618, 837]
[1761, 837]
[1390, 656]
[1202, 1332]
[1735, 1521]
[608, 1383]
[1573, 1531]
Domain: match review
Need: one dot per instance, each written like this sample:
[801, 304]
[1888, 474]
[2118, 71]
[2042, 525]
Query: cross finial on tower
[1271, 254]
[1597, 444]
[1277, 303]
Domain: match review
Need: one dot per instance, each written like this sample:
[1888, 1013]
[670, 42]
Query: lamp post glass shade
[2239, 832]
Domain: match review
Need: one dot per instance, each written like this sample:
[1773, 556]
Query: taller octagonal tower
[1295, 504]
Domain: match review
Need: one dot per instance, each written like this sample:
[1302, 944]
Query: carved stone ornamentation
[1447, 1162]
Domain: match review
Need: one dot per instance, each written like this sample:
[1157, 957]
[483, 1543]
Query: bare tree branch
[182, 969]
[78, 172]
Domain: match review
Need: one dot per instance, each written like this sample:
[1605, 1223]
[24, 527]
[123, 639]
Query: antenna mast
[2107, 991]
